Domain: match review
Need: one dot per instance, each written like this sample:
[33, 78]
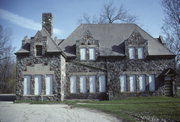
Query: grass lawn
[130, 109]
[178, 92]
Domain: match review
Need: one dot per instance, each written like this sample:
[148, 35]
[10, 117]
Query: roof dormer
[87, 48]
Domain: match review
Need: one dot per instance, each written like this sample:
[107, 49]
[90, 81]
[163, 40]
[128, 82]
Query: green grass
[178, 92]
[130, 108]
[127, 109]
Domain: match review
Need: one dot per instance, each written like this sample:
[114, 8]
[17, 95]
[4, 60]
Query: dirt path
[10, 112]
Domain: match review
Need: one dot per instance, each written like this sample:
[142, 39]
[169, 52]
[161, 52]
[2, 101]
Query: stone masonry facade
[54, 61]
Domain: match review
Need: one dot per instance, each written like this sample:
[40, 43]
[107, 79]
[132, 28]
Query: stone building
[97, 61]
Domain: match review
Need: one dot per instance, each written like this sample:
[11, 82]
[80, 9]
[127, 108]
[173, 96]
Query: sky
[24, 17]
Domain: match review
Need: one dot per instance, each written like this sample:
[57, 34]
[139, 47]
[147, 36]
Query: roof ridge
[51, 39]
[153, 38]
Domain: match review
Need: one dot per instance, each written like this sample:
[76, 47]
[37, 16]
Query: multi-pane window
[131, 53]
[92, 80]
[38, 50]
[82, 53]
[132, 83]
[91, 53]
[49, 84]
[102, 83]
[73, 84]
[138, 84]
[37, 85]
[122, 83]
[151, 82]
[27, 85]
[142, 82]
[140, 51]
[82, 84]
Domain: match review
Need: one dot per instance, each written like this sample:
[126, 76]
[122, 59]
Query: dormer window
[82, 53]
[38, 50]
[131, 53]
[136, 53]
[91, 53]
[140, 52]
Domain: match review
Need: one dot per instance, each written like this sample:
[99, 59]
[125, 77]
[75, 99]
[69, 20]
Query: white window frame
[49, 84]
[92, 54]
[142, 82]
[152, 82]
[27, 85]
[132, 83]
[132, 54]
[37, 85]
[102, 83]
[83, 88]
[83, 54]
[122, 79]
[73, 88]
[140, 51]
[92, 84]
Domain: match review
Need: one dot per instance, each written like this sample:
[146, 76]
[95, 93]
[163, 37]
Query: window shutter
[82, 84]
[122, 83]
[37, 87]
[102, 83]
[49, 84]
[140, 53]
[27, 85]
[91, 53]
[151, 82]
[73, 84]
[131, 53]
[92, 84]
[83, 54]
[142, 82]
[132, 83]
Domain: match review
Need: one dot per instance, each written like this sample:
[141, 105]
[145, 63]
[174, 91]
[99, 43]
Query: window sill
[36, 95]
[137, 91]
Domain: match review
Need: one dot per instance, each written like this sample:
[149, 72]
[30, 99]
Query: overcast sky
[23, 17]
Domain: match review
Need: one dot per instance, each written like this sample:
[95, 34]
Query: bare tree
[109, 14]
[171, 27]
[7, 64]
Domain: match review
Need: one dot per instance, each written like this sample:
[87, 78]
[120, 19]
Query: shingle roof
[111, 38]
[51, 45]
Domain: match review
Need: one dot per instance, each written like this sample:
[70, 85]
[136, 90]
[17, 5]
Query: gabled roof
[111, 38]
[51, 45]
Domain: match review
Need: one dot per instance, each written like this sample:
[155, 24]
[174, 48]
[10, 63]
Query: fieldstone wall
[113, 68]
[53, 61]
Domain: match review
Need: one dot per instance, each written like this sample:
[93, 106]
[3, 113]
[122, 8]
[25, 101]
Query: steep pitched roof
[111, 38]
[51, 45]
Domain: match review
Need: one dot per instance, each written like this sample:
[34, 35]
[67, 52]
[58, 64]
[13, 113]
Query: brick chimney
[47, 22]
